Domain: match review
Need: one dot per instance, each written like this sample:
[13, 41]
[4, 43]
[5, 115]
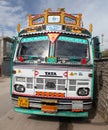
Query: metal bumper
[62, 104]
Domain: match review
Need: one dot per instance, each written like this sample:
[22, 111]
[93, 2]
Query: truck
[53, 66]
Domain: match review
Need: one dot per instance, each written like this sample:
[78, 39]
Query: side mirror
[13, 46]
[96, 44]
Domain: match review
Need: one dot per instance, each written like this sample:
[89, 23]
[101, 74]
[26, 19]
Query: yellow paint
[76, 31]
[19, 71]
[78, 19]
[29, 20]
[71, 74]
[18, 27]
[62, 15]
[75, 27]
[91, 28]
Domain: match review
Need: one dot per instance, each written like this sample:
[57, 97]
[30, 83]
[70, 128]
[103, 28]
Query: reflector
[20, 58]
[65, 74]
[83, 61]
[50, 94]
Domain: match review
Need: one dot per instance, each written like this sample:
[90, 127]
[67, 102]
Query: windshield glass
[34, 46]
[38, 48]
[72, 47]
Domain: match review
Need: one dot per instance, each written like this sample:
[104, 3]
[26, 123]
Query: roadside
[5, 99]
[4, 78]
[4, 85]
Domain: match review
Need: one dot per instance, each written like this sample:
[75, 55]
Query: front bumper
[58, 114]
[62, 104]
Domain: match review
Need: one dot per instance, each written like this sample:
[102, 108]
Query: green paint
[11, 66]
[31, 39]
[51, 50]
[59, 114]
[51, 59]
[15, 39]
[70, 39]
[61, 38]
[92, 89]
[100, 54]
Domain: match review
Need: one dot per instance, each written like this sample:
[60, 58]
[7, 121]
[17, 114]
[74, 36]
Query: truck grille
[55, 84]
[50, 84]
[72, 85]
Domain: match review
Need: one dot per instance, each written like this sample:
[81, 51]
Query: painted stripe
[70, 39]
[38, 38]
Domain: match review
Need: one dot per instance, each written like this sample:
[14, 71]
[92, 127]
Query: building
[5, 55]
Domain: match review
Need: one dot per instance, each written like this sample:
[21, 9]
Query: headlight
[83, 91]
[20, 79]
[19, 88]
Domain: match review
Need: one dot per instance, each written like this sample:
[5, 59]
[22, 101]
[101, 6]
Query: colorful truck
[53, 66]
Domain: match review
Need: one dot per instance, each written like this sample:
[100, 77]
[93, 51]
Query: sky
[13, 12]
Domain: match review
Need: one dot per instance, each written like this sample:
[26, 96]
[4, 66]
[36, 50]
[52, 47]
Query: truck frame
[53, 66]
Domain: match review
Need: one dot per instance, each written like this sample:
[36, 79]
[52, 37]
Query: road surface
[10, 120]
[5, 102]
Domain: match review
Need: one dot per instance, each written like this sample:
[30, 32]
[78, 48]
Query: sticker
[53, 36]
[19, 71]
[73, 74]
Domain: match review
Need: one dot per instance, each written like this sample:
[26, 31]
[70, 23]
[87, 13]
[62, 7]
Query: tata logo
[50, 74]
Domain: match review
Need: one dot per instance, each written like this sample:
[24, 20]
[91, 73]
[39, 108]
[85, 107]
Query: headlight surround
[19, 88]
[83, 91]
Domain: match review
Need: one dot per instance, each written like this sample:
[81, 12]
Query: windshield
[40, 49]
[71, 47]
[34, 48]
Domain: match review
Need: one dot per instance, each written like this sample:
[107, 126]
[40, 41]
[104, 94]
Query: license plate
[49, 108]
[23, 102]
[53, 27]
[77, 106]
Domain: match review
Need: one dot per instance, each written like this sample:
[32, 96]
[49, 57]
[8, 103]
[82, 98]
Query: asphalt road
[10, 120]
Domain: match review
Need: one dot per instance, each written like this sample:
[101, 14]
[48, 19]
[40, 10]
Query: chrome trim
[42, 32]
[36, 103]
